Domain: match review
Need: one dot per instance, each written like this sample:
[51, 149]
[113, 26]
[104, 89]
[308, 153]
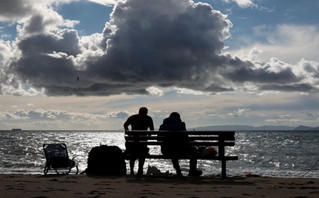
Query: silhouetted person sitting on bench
[140, 121]
[176, 144]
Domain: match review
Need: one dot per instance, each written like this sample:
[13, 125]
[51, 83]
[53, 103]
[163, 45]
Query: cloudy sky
[89, 64]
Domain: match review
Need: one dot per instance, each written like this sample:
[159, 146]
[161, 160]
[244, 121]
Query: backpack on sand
[106, 160]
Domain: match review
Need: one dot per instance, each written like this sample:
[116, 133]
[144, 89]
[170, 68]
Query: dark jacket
[175, 143]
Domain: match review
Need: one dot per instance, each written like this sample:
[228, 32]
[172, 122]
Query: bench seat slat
[226, 133]
[188, 157]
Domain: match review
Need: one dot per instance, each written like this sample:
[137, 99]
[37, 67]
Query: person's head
[143, 111]
[175, 115]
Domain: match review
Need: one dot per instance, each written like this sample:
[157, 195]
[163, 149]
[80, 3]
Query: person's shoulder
[149, 117]
[133, 117]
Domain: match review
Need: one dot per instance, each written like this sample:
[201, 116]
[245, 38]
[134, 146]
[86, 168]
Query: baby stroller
[57, 158]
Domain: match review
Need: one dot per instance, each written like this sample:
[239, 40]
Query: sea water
[288, 154]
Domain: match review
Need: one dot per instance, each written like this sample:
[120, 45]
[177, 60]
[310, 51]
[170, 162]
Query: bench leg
[223, 168]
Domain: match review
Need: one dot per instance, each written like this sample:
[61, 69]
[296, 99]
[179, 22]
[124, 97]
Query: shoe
[195, 173]
[179, 174]
[139, 173]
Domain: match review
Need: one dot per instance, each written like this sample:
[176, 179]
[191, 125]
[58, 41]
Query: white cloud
[289, 43]
[155, 91]
[9, 89]
[57, 119]
[120, 114]
[43, 22]
[189, 91]
[243, 3]
[239, 112]
[290, 47]
[34, 17]
[104, 2]
[289, 122]
[6, 53]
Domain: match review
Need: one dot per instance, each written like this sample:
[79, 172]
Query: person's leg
[132, 163]
[141, 162]
[193, 165]
[176, 166]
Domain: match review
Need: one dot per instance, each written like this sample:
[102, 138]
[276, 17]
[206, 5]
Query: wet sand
[84, 186]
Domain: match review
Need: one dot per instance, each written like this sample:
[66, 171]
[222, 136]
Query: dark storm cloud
[159, 43]
[15, 9]
[261, 75]
[41, 68]
[302, 87]
[163, 43]
[66, 41]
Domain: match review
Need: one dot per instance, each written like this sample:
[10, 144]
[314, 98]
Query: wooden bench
[218, 139]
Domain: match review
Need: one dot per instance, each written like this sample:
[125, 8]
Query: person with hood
[176, 144]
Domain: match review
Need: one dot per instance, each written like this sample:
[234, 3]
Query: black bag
[106, 160]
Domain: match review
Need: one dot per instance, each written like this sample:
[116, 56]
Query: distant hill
[306, 128]
[252, 128]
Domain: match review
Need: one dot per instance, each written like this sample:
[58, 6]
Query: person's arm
[151, 124]
[126, 124]
[183, 126]
[186, 138]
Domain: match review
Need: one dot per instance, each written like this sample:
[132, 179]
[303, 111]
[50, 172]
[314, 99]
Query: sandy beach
[84, 186]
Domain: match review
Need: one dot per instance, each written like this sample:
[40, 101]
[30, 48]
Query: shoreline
[36, 186]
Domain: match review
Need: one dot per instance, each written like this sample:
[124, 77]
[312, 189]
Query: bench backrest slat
[191, 138]
[191, 143]
[197, 138]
